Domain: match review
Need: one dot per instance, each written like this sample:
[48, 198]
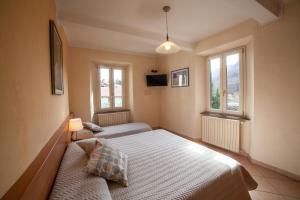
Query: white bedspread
[123, 130]
[73, 182]
[165, 166]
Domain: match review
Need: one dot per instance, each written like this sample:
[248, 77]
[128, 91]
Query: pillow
[88, 145]
[91, 126]
[109, 163]
[82, 134]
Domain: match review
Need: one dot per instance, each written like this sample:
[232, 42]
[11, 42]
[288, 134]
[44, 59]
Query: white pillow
[88, 145]
[91, 126]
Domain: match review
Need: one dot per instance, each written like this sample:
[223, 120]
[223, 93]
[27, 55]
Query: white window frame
[208, 81]
[111, 87]
[223, 82]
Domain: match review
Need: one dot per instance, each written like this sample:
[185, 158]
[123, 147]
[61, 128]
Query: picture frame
[180, 77]
[56, 57]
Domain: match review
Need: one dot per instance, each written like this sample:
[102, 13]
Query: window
[226, 82]
[111, 87]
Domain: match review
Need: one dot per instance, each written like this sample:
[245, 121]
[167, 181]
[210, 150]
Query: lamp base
[74, 135]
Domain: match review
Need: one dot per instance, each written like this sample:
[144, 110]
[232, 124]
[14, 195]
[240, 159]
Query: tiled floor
[271, 185]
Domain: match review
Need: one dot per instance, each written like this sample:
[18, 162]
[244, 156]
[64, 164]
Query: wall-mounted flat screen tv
[157, 80]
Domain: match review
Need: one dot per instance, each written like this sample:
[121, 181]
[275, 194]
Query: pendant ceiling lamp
[167, 47]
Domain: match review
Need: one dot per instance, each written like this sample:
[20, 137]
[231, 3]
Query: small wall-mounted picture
[56, 55]
[180, 78]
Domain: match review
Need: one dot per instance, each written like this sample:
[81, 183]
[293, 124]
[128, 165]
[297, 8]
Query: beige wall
[143, 101]
[276, 132]
[180, 108]
[30, 114]
[249, 98]
[273, 82]
[230, 38]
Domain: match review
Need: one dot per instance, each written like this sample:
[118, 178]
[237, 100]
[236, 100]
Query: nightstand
[82, 134]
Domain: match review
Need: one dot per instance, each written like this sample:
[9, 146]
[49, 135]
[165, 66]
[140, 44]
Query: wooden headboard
[36, 182]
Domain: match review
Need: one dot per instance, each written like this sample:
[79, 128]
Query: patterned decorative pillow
[91, 126]
[109, 163]
[88, 145]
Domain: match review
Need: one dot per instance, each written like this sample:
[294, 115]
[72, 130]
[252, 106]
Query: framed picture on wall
[56, 56]
[180, 78]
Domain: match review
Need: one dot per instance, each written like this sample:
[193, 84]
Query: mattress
[123, 130]
[162, 165]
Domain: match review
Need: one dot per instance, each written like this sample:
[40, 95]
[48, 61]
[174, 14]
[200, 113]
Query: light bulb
[167, 46]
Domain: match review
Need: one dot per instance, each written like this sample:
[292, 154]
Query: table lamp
[75, 125]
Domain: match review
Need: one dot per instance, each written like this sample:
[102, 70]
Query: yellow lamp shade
[167, 48]
[75, 124]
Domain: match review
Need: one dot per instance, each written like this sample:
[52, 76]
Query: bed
[123, 130]
[161, 165]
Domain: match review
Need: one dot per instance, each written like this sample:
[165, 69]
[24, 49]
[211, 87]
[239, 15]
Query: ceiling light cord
[167, 26]
[167, 47]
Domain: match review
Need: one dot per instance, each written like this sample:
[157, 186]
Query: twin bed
[161, 165]
[123, 130]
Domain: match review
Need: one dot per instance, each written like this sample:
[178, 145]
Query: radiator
[224, 133]
[113, 118]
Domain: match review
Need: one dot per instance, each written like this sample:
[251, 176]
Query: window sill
[112, 111]
[225, 116]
